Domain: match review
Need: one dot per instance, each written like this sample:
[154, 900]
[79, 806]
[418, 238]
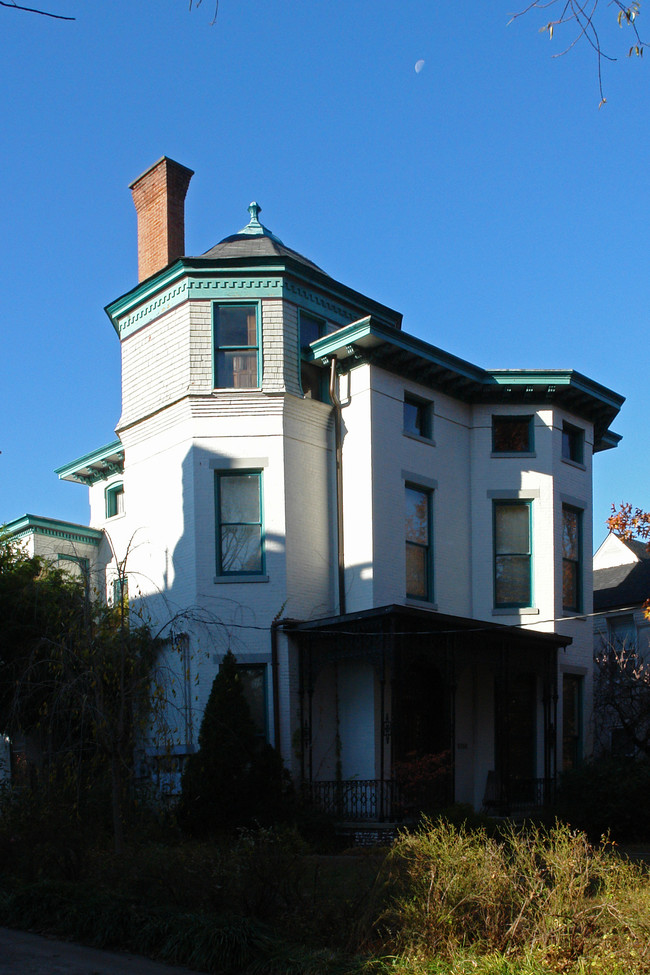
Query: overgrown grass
[444, 900]
[532, 900]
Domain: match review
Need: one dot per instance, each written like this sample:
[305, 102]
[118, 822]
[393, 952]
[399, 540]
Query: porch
[404, 709]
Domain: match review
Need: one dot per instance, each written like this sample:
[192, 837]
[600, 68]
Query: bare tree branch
[584, 15]
[34, 10]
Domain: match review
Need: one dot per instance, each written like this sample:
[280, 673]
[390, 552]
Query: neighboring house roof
[255, 240]
[627, 584]
[37, 525]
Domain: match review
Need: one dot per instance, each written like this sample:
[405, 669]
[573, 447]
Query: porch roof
[407, 620]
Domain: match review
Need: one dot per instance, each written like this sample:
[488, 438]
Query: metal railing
[356, 800]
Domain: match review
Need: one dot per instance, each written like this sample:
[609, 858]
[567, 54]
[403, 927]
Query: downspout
[338, 449]
[276, 690]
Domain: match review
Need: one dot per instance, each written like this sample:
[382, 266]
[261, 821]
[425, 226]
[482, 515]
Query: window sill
[120, 514]
[513, 454]
[419, 438]
[424, 603]
[218, 580]
[574, 463]
[574, 614]
[236, 389]
[515, 611]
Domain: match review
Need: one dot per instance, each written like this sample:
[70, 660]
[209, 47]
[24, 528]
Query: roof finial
[254, 209]
[254, 228]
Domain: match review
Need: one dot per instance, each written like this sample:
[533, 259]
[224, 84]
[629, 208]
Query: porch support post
[451, 642]
[382, 725]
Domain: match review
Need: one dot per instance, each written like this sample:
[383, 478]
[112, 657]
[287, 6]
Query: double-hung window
[512, 554]
[571, 558]
[240, 540]
[418, 531]
[236, 346]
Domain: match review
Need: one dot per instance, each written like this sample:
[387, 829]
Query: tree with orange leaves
[622, 685]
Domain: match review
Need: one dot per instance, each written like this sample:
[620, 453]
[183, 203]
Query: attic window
[512, 435]
[573, 443]
[417, 417]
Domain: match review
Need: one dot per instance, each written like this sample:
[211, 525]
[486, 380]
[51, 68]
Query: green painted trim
[70, 472]
[258, 347]
[286, 278]
[558, 377]
[236, 575]
[37, 525]
[608, 440]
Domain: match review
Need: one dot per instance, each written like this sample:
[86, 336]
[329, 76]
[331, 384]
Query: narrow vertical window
[419, 581]
[512, 554]
[238, 502]
[313, 380]
[571, 552]
[573, 441]
[571, 721]
[235, 346]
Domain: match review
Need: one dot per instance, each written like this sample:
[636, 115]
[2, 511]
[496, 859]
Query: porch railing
[356, 800]
[377, 801]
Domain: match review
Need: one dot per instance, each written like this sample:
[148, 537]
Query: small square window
[512, 435]
[573, 441]
[114, 500]
[417, 417]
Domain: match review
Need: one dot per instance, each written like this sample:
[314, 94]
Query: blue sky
[485, 197]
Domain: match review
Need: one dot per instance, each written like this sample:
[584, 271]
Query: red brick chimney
[159, 197]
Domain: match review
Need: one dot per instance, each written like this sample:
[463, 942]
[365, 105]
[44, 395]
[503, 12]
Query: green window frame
[114, 496]
[417, 415]
[120, 591]
[513, 434]
[313, 381]
[236, 345]
[571, 558]
[239, 523]
[418, 528]
[573, 443]
[513, 554]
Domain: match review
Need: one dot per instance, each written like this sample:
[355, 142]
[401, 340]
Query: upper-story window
[512, 435]
[313, 380]
[621, 633]
[236, 346]
[240, 538]
[512, 554]
[418, 417]
[571, 558]
[419, 562]
[573, 443]
[114, 500]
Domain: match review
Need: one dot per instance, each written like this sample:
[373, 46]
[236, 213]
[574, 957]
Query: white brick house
[395, 543]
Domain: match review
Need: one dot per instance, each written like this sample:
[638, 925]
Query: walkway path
[23, 953]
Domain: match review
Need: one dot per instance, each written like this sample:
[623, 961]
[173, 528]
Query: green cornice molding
[95, 466]
[197, 278]
[370, 341]
[37, 525]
